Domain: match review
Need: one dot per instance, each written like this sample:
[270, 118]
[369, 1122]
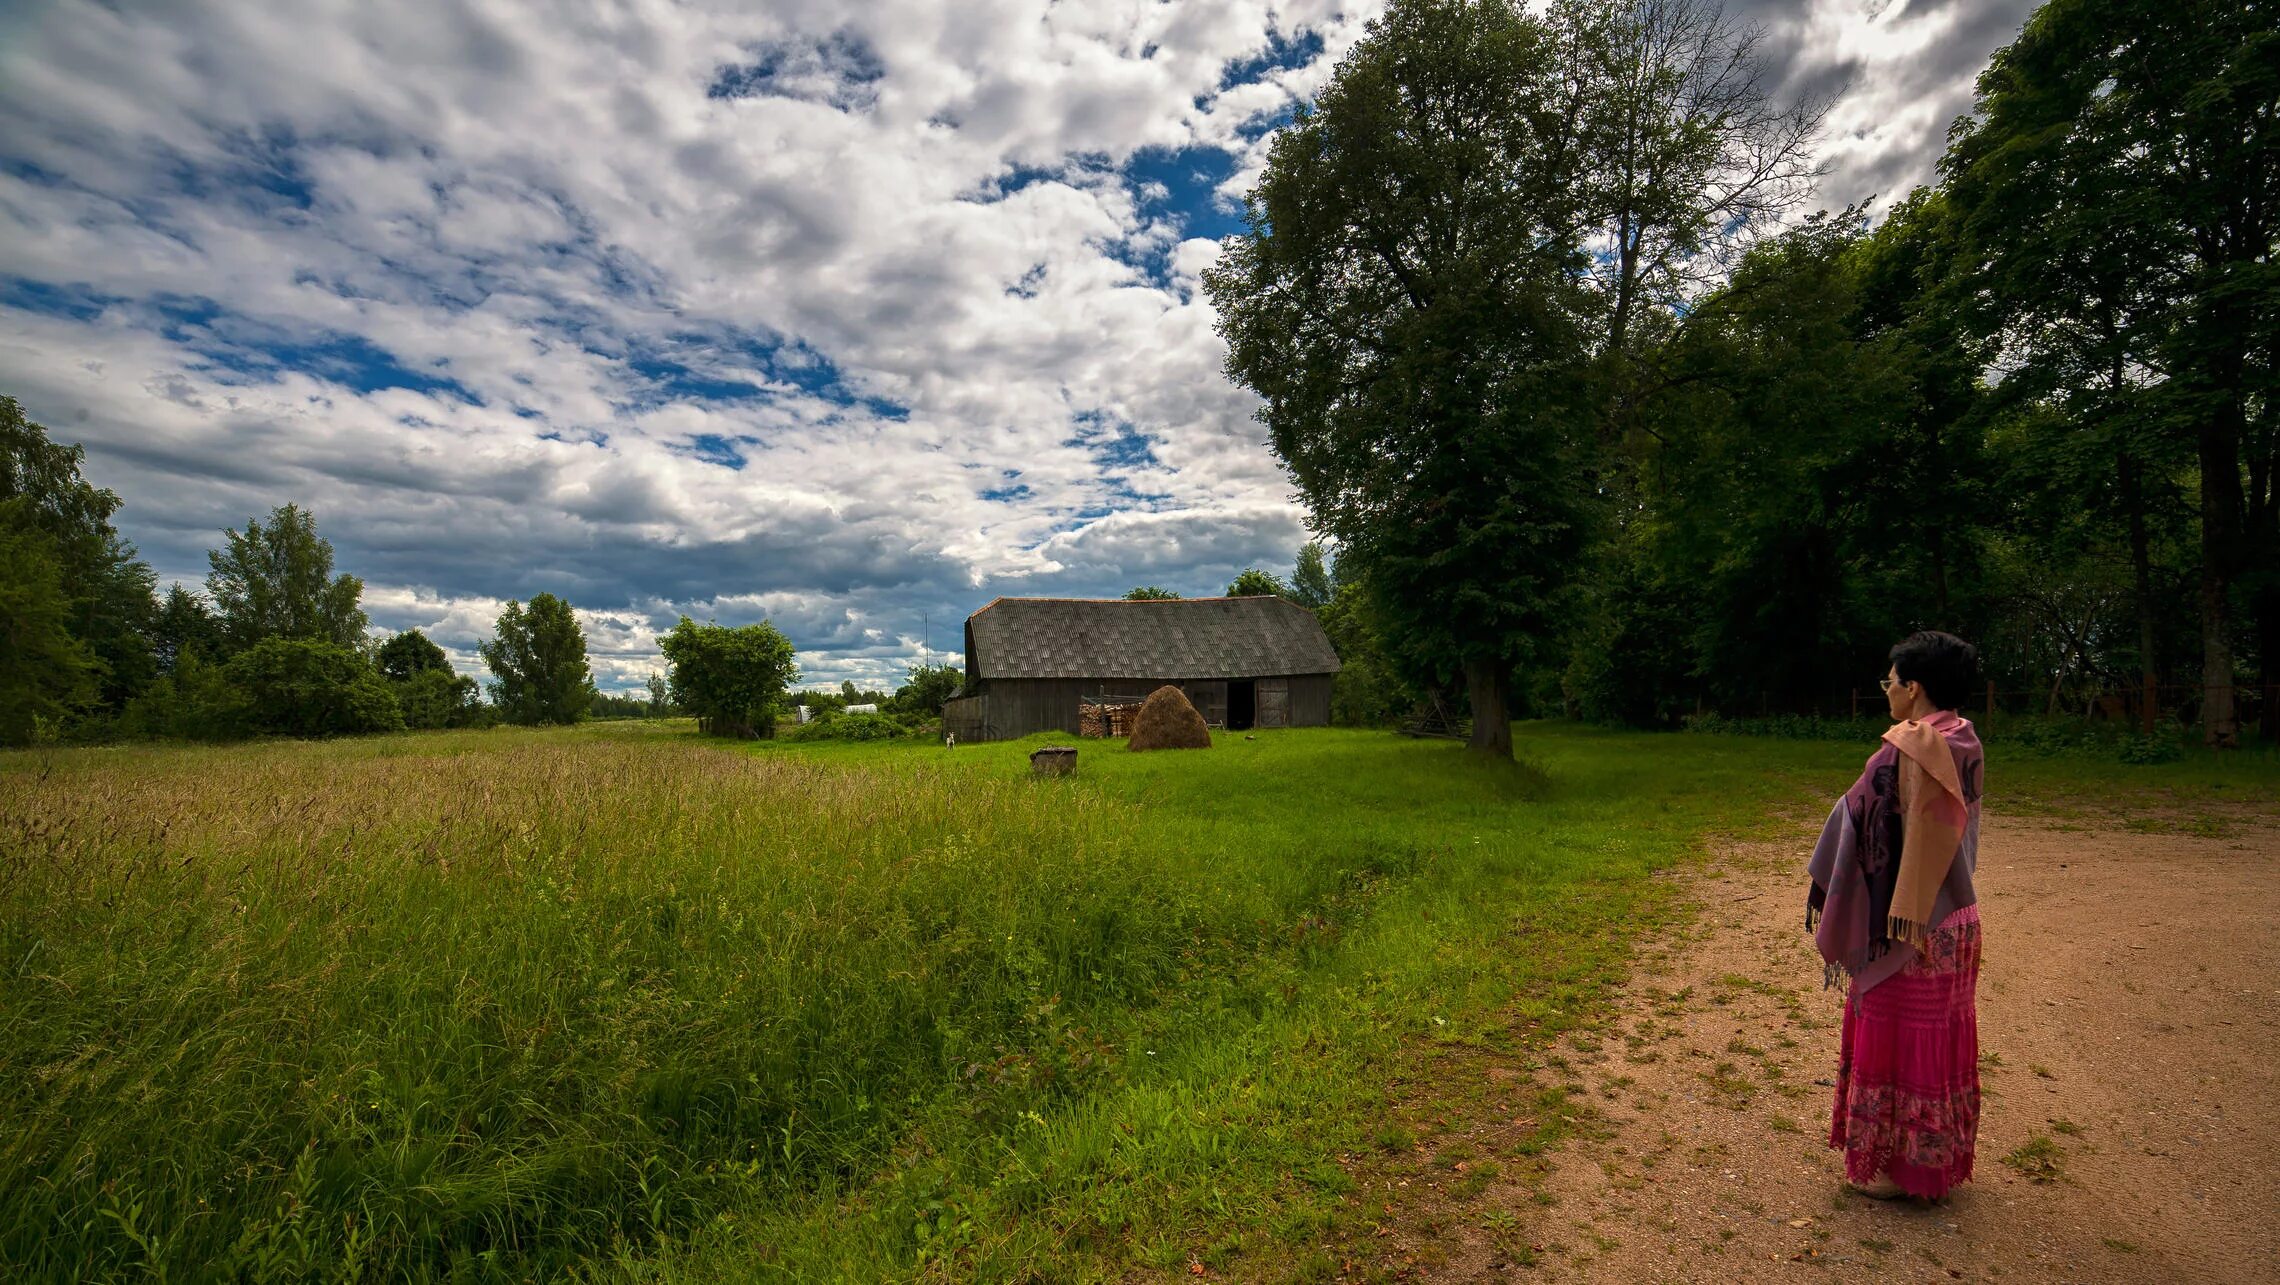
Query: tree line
[279, 643]
[1600, 425]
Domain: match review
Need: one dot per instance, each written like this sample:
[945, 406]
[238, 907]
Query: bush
[2081, 738]
[279, 686]
[190, 704]
[2040, 737]
[1792, 727]
[433, 698]
[1369, 690]
[301, 687]
[2145, 750]
[1624, 668]
[923, 696]
[834, 726]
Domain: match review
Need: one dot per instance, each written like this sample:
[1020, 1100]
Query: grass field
[618, 1003]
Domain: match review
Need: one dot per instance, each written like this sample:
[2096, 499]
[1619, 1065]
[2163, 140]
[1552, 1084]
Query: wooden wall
[1310, 700]
[966, 718]
[1015, 707]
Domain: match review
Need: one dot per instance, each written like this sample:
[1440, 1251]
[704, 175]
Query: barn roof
[1260, 637]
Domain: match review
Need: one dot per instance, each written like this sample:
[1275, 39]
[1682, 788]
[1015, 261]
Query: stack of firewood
[1100, 718]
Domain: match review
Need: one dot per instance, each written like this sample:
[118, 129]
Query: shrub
[301, 687]
[433, 698]
[1792, 727]
[192, 703]
[834, 726]
[2144, 750]
[924, 694]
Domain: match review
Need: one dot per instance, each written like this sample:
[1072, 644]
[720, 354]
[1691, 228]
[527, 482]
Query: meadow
[618, 1003]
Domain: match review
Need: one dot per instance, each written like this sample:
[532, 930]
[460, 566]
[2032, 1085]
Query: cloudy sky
[843, 315]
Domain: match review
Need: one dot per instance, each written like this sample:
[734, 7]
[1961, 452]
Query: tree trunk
[2219, 728]
[2223, 425]
[2268, 662]
[1487, 682]
[2141, 568]
[2220, 543]
[1940, 574]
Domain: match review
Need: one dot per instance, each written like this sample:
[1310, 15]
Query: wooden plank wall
[1310, 700]
[966, 718]
[1015, 707]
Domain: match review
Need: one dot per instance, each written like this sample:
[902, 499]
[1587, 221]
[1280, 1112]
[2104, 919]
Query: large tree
[408, 653]
[46, 674]
[1770, 548]
[1407, 303]
[1254, 583]
[182, 627]
[1689, 159]
[732, 679]
[420, 673]
[106, 589]
[929, 687]
[538, 663]
[1311, 584]
[2121, 174]
[277, 581]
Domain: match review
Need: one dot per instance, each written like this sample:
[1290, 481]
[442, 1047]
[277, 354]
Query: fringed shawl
[1899, 849]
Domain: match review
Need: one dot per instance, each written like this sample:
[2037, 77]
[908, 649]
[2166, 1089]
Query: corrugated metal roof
[1259, 637]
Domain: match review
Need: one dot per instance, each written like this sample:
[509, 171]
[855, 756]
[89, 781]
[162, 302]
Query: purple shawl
[1856, 865]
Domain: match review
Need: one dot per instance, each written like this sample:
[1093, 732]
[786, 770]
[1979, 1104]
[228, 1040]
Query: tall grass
[329, 1008]
[615, 1003]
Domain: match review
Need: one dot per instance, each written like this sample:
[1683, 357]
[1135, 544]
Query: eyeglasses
[1889, 683]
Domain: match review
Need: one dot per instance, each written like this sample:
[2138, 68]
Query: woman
[1892, 908]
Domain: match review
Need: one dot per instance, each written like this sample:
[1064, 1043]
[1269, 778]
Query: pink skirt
[1907, 1103]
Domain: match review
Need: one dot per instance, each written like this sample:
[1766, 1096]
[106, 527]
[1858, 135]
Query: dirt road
[2131, 1126]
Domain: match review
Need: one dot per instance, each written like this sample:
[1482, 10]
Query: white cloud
[901, 228]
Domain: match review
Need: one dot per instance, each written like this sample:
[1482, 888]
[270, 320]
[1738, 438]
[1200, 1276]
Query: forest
[1604, 422]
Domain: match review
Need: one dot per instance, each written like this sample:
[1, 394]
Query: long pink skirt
[1908, 1072]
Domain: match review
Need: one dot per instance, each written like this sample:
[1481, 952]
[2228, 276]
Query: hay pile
[1168, 722]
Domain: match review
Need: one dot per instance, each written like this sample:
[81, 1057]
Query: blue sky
[843, 316]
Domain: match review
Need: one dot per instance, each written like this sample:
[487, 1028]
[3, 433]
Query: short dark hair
[1945, 664]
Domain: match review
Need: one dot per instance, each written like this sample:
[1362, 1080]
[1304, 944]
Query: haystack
[1168, 722]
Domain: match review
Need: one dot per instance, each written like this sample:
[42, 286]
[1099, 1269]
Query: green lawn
[617, 1001]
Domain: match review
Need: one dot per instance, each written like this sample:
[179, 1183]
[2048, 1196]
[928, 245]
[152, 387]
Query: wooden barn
[1032, 664]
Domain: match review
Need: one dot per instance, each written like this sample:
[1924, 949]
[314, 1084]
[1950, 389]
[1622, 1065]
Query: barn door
[1274, 702]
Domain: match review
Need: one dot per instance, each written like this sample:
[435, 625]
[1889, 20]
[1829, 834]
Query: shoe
[1882, 1189]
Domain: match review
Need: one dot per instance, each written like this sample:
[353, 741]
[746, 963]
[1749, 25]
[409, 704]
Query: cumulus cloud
[851, 319]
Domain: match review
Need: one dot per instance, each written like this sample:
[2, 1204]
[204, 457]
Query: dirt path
[2127, 1013]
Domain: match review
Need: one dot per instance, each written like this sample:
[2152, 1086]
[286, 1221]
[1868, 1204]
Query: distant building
[1032, 663]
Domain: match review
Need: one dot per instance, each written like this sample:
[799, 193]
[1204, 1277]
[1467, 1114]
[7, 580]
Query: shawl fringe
[1908, 931]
